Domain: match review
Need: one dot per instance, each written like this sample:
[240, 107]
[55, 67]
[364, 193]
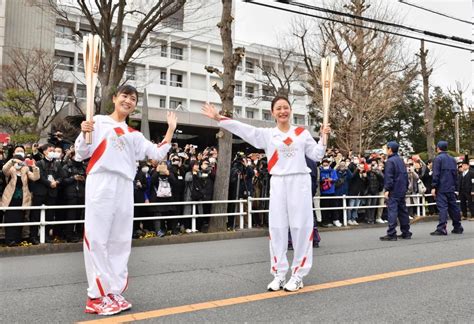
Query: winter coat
[445, 173]
[11, 176]
[327, 181]
[395, 176]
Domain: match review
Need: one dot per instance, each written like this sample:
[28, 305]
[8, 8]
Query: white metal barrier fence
[420, 205]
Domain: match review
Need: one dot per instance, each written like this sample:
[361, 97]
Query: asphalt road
[52, 288]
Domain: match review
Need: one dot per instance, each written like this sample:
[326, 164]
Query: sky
[256, 24]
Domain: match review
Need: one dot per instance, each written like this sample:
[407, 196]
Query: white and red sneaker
[121, 301]
[102, 306]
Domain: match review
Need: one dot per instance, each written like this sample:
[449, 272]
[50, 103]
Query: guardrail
[420, 205]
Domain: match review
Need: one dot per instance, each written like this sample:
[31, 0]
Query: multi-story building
[171, 69]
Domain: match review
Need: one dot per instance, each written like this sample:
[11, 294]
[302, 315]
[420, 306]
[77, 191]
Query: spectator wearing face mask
[357, 187]
[74, 193]
[374, 187]
[141, 194]
[19, 173]
[162, 183]
[45, 190]
[344, 176]
[327, 180]
[177, 170]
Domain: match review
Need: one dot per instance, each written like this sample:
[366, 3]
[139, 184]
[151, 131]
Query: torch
[328, 64]
[92, 50]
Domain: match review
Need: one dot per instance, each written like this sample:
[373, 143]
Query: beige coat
[10, 174]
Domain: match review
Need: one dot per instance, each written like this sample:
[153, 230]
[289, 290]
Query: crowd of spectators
[50, 175]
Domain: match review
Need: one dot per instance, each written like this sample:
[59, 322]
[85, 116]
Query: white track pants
[291, 207]
[107, 233]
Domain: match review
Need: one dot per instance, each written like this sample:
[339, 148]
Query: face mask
[175, 162]
[356, 161]
[57, 155]
[212, 160]
[22, 154]
[326, 167]
[18, 166]
[145, 169]
[51, 155]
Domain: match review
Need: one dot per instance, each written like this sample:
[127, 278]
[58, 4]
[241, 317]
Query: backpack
[164, 188]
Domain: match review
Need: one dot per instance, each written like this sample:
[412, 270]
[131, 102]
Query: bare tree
[34, 71]
[428, 110]
[106, 19]
[370, 76]
[230, 61]
[284, 72]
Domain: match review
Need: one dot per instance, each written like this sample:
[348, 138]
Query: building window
[163, 78]
[81, 92]
[267, 93]
[267, 116]
[130, 71]
[164, 50]
[238, 90]
[237, 111]
[174, 104]
[64, 31]
[239, 66]
[176, 80]
[176, 20]
[249, 67]
[249, 114]
[267, 68]
[62, 92]
[176, 53]
[250, 91]
[65, 61]
[162, 103]
[298, 119]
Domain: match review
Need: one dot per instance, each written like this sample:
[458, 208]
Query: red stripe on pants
[102, 293]
[86, 241]
[99, 151]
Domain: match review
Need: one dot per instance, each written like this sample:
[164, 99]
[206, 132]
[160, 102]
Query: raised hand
[210, 111]
[172, 120]
[87, 126]
[326, 129]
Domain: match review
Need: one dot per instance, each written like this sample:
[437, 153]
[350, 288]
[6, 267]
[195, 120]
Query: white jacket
[285, 151]
[116, 147]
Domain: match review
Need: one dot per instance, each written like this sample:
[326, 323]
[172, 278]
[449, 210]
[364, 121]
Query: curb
[180, 239]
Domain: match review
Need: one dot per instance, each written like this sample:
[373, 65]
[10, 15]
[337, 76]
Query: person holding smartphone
[18, 174]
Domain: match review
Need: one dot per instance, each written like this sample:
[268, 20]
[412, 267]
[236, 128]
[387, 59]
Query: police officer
[396, 186]
[444, 185]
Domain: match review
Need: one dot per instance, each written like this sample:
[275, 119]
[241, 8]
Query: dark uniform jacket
[445, 173]
[466, 183]
[395, 176]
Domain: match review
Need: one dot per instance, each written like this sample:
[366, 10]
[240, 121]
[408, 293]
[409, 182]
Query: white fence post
[193, 220]
[423, 206]
[344, 210]
[241, 211]
[42, 230]
[417, 205]
[249, 212]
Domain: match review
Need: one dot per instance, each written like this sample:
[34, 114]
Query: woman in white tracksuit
[290, 188]
[108, 225]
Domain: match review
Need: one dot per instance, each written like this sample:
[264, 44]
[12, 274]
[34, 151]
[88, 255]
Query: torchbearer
[328, 64]
[108, 223]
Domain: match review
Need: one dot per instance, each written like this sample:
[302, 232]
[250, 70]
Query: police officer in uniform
[445, 173]
[396, 186]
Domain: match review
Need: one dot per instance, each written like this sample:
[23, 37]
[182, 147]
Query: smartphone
[29, 162]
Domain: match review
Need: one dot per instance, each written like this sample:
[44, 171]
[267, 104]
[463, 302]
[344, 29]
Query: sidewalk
[178, 239]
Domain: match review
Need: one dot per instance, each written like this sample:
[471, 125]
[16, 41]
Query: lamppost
[456, 109]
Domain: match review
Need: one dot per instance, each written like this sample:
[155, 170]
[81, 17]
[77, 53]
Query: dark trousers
[466, 203]
[371, 212]
[72, 230]
[328, 215]
[35, 214]
[13, 234]
[446, 203]
[397, 209]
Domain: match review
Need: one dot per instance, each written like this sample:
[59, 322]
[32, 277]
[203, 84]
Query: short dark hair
[274, 101]
[127, 89]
